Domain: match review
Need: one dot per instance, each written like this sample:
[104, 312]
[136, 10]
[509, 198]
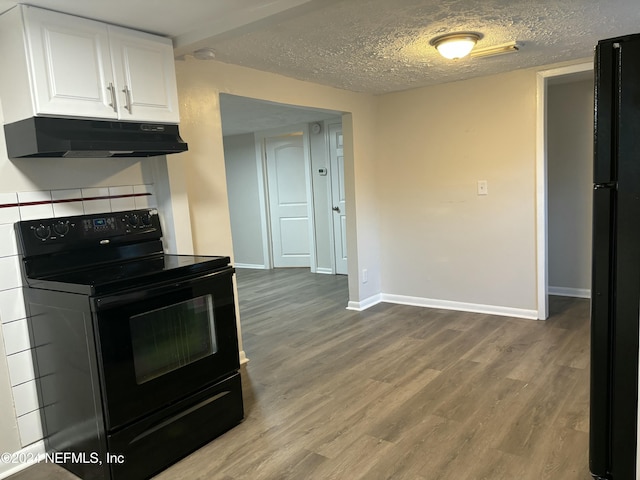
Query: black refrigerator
[615, 290]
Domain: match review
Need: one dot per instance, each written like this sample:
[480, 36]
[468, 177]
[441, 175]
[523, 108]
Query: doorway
[544, 80]
[570, 184]
[262, 199]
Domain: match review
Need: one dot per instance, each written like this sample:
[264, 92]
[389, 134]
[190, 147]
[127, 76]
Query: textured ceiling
[374, 46]
[381, 46]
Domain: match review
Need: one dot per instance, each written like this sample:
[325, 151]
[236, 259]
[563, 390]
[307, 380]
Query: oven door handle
[144, 293]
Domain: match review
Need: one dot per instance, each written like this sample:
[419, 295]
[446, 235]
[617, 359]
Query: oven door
[165, 342]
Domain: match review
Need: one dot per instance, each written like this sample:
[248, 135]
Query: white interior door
[288, 205]
[338, 198]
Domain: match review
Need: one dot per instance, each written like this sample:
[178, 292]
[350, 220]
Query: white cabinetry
[70, 64]
[145, 76]
[63, 65]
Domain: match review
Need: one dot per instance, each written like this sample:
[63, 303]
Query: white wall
[570, 178]
[442, 243]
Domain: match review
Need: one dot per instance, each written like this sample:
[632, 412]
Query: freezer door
[605, 113]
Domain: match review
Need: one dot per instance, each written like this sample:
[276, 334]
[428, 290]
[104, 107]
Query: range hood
[65, 137]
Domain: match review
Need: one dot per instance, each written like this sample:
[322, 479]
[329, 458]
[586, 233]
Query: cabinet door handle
[112, 92]
[127, 96]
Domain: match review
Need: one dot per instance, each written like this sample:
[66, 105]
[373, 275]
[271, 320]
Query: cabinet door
[70, 65]
[144, 69]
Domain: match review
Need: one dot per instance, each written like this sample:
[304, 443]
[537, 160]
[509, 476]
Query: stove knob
[133, 220]
[42, 232]
[146, 219]
[61, 228]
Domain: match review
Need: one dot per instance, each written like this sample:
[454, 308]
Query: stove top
[104, 253]
[114, 277]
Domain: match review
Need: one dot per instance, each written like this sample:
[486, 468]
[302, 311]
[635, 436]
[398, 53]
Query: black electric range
[135, 350]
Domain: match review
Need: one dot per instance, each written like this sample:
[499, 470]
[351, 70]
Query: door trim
[263, 193]
[542, 277]
[332, 241]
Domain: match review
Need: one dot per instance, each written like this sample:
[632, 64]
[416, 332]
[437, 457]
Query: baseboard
[324, 271]
[23, 459]
[570, 292]
[460, 306]
[364, 304]
[243, 358]
[250, 265]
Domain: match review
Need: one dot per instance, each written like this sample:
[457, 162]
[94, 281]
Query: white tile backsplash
[13, 313]
[20, 367]
[9, 214]
[67, 208]
[30, 428]
[8, 198]
[70, 194]
[25, 398]
[148, 201]
[122, 204]
[96, 206]
[93, 193]
[34, 212]
[12, 305]
[35, 196]
[8, 244]
[10, 276]
[16, 336]
[93, 203]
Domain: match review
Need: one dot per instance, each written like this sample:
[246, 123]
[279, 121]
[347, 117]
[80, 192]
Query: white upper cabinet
[144, 75]
[70, 65]
[76, 67]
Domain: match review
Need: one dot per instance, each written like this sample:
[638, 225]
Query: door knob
[336, 209]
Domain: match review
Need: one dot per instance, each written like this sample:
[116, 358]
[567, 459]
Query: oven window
[171, 337]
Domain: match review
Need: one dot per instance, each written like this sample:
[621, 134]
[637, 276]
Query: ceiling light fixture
[510, 47]
[204, 54]
[455, 45]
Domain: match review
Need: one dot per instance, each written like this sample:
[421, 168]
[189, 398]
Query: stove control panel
[68, 233]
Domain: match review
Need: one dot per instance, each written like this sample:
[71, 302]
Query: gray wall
[570, 158]
[244, 203]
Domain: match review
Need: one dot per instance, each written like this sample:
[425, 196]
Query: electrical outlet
[365, 275]
[483, 187]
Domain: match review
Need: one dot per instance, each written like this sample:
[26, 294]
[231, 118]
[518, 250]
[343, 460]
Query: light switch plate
[483, 187]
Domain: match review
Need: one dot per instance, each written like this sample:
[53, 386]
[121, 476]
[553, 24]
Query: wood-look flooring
[396, 392]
